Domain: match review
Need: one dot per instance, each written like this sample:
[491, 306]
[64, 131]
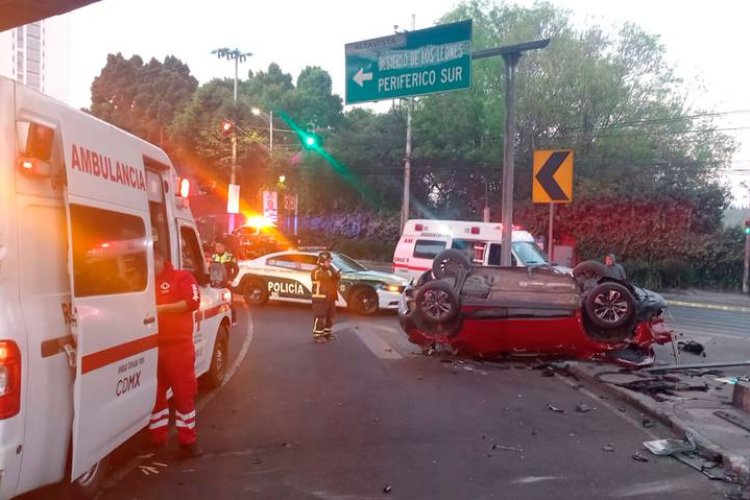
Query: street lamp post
[511, 54]
[269, 117]
[238, 57]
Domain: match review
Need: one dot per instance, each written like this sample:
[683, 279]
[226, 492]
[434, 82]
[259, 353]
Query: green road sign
[413, 63]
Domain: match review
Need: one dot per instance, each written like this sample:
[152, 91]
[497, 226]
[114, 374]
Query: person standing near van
[177, 296]
[325, 291]
[614, 270]
[226, 258]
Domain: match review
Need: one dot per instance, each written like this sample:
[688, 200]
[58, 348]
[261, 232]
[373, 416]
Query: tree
[609, 96]
[142, 98]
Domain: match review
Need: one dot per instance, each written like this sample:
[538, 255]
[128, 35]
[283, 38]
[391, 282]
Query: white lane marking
[374, 342]
[536, 479]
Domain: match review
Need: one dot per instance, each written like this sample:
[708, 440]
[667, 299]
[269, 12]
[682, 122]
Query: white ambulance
[82, 205]
[423, 240]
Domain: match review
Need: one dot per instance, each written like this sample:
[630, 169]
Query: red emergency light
[475, 230]
[184, 188]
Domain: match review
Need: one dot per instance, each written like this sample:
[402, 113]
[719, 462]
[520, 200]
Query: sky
[705, 41]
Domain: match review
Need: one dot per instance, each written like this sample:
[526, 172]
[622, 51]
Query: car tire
[364, 301]
[214, 377]
[88, 485]
[436, 303]
[588, 272]
[449, 263]
[254, 291]
[610, 305]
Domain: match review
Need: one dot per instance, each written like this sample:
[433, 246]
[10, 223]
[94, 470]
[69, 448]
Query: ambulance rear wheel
[88, 485]
[219, 360]
[255, 292]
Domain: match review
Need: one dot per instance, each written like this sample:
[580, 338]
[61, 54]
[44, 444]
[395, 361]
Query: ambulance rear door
[110, 262]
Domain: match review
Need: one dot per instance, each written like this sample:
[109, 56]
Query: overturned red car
[533, 311]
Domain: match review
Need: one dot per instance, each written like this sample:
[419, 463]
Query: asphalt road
[724, 334]
[346, 419]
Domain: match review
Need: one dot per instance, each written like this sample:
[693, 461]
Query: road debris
[387, 488]
[668, 447]
[648, 423]
[555, 408]
[638, 457]
[692, 347]
[695, 366]
[507, 448]
[583, 408]
[740, 421]
[609, 448]
[286, 445]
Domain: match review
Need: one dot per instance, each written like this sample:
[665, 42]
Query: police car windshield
[347, 264]
[530, 253]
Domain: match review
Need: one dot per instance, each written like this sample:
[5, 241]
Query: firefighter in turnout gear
[325, 290]
[177, 296]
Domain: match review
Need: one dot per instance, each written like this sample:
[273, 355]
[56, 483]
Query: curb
[703, 305]
[737, 464]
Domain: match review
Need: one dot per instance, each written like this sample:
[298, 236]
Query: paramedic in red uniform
[177, 296]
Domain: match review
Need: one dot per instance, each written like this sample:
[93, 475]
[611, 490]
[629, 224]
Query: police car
[286, 276]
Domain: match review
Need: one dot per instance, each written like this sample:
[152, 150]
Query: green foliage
[142, 98]
[611, 97]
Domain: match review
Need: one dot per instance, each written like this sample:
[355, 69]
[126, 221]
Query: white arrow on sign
[361, 77]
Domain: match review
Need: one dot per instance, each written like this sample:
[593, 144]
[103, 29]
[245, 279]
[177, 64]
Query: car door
[110, 266]
[286, 278]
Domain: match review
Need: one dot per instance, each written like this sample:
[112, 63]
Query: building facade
[37, 55]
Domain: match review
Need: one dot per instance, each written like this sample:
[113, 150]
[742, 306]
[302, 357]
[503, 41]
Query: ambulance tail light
[10, 379]
[32, 166]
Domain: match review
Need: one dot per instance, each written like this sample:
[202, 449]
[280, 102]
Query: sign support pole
[746, 274]
[550, 242]
[511, 55]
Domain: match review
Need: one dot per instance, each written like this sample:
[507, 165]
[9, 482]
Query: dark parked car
[499, 311]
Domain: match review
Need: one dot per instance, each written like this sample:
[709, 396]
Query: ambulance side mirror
[217, 275]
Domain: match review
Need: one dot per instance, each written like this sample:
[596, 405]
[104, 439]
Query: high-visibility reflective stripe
[158, 423]
[185, 416]
[159, 414]
[182, 425]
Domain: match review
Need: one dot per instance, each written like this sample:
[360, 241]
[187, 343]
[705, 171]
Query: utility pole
[407, 158]
[511, 55]
[238, 57]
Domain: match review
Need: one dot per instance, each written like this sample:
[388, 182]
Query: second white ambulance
[422, 240]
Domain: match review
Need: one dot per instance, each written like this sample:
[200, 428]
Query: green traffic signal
[310, 141]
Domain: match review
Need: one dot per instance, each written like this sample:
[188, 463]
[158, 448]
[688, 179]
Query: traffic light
[310, 141]
[747, 227]
[227, 127]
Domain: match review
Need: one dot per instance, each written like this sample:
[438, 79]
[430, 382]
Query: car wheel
[589, 271]
[87, 486]
[436, 302]
[449, 263]
[255, 292]
[610, 305]
[219, 359]
[364, 301]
